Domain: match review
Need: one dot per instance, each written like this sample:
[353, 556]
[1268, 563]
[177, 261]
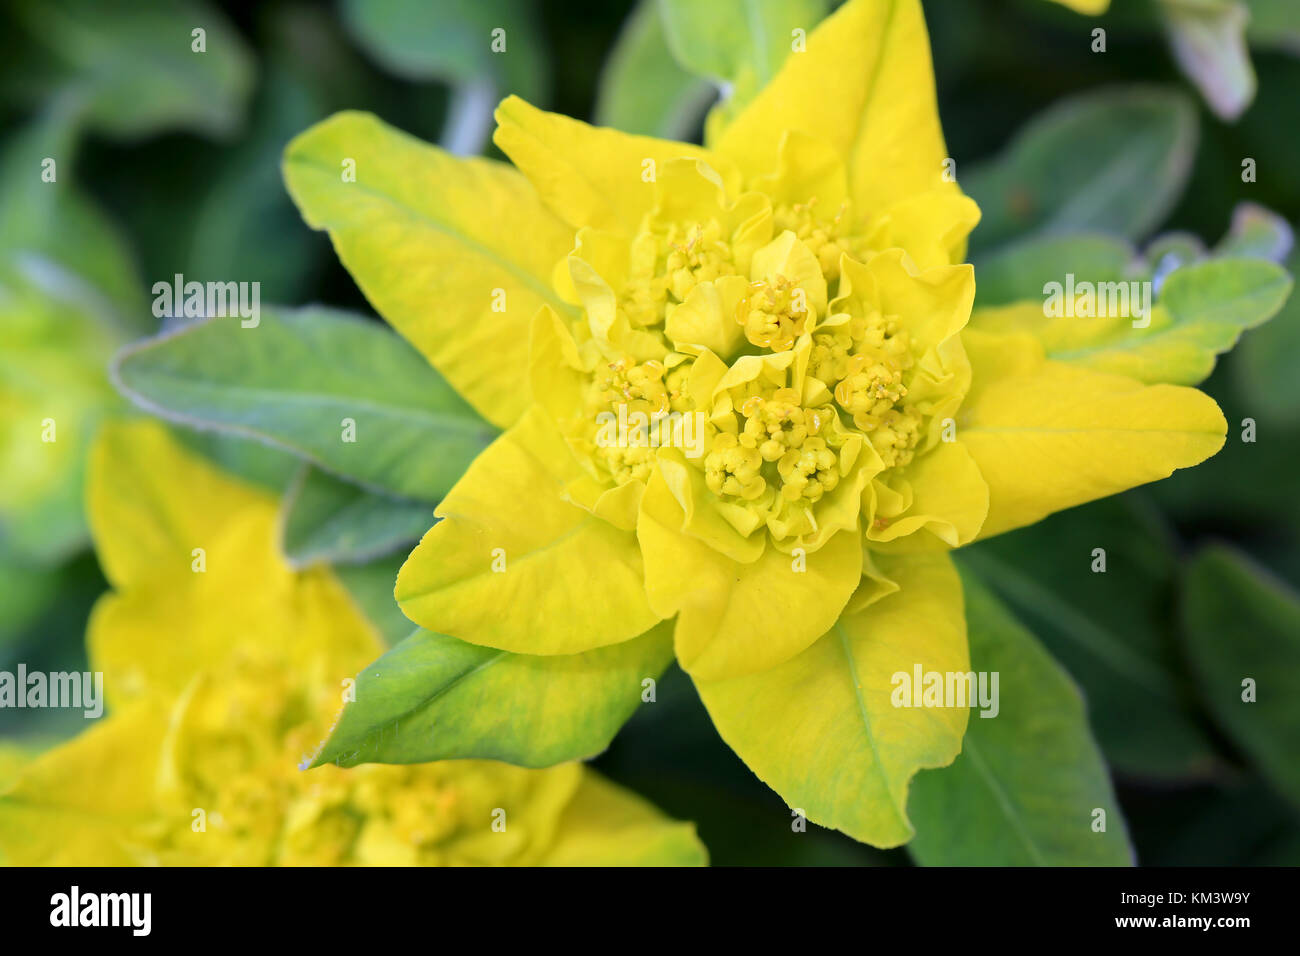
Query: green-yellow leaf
[1029, 781]
[457, 254]
[822, 729]
[433, 697]
[1201, 312]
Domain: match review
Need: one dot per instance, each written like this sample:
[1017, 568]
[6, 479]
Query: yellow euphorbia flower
[791, 289]
[223, 667]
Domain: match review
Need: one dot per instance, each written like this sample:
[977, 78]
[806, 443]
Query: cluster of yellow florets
[697, 252]
[825, 238]
[774, 314]
[779, 450]
[238, 797]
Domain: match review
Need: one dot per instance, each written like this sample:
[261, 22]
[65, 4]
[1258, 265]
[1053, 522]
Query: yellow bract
[223, 668]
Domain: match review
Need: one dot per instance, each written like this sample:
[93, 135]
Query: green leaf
[329, 521]
[54, 221]
[1201, 312]
[1108, 628]
[1240, 624]
[133, 66]
[1113, 161]
[434, 697]
[642, 88]
[1020, 271]
[1274, 23]
[1208, 38]
[739, 44]
[451, 41]
[255, 462]
[245, 225]
[307, 381]
[1267, 363]
[55, 341]
[371, 586]
[996, 805]
[1209, 304]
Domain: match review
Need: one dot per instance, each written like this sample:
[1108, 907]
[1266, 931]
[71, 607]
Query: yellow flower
[223, 667]
[788, 295]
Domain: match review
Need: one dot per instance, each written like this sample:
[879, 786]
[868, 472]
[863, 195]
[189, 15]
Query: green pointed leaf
[1208, 306]
[1240, 624]
[1267, 363]
[133, 62]
[642, 89]
[997, 805]
[330, 521]
[1201, 312]
[301, 380]
[434, 697]
[1109, 629]
[1113, 161]
[452, 41]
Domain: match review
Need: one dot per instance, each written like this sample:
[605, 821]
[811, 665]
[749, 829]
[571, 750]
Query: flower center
[864, 361]
[774, 314]
[697, 252]
[824, 237]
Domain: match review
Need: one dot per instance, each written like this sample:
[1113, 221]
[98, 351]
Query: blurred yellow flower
[223, 667]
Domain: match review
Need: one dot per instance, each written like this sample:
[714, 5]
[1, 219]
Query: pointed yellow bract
[223, 668]
[826, 729]
[1047, 435]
